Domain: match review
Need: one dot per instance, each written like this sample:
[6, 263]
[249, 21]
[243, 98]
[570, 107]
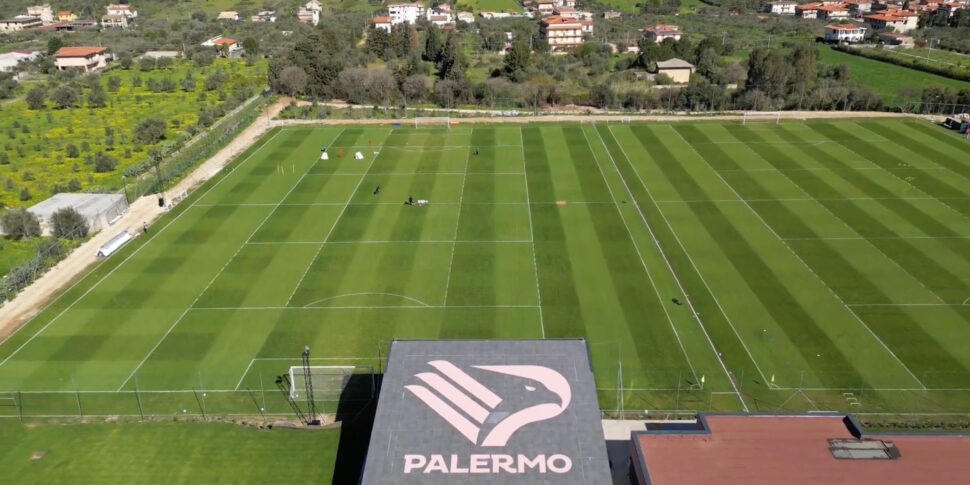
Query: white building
[561, 33]
[99, 210]
[846, 33]
[44, 12]
[10, 60]
[228, 15]
[86, 58]
[18, 23]
[231, 46]
[406, 12]
[894, 20]
[114, 21]
[121, 10]
[833, 12]
[545, 7]
[310, 13]
[781, 8]
[383, 23]
[264, 16]
[467, 17]
[658, 33]
[441, 21]
[859, 7]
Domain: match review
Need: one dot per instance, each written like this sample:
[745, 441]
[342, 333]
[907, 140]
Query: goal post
[761, 117]
[429, 121]
[333, 383]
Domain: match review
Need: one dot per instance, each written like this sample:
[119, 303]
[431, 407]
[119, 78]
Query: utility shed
[100, 210]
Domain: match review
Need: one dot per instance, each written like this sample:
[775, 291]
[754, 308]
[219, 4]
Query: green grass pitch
[819, 265]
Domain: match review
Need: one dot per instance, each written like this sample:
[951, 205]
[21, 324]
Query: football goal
[761, 117]
[332, 383]
[429, 121]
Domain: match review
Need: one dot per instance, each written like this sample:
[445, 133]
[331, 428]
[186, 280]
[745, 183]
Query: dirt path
[32, 299]
[144, 210]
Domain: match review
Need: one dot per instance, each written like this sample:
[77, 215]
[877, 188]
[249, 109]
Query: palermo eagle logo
[467, 405]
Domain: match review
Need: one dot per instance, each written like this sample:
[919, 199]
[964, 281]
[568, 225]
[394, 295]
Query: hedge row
[913, 63]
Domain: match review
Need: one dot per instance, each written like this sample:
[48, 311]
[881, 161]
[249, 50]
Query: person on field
[144, 227]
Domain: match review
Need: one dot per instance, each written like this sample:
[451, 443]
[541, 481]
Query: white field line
[965, 303]
[802, 261]
[602, 202]
[855, 238]
[461, 195]
[803, 199]
[332, 227]
[408, 174]
[133, 253]
[415, 241]
[355, 307]
[696, 269]
[817, 169]
[532, 237]
[219, 273]
[243, 376]
[643, 264]
[409, 147]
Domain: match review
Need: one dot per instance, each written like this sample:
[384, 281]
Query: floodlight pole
[307, 380]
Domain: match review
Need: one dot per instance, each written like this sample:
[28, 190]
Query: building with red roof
[81, 57]
[794, 449]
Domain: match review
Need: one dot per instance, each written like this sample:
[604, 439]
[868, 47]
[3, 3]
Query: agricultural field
[37, 148]
[710, 266]
[164, 452]
[884, 78]
[491, 5]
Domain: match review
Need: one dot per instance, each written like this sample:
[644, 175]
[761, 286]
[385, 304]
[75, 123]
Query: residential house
[121, 10]
[66, 16]
[952, 7]
[264, 16]
[81, 57]
[224, 45]
[228, 15]
[383, 23]
[161, 55]
[10, 60]
[859, 7]
[18, 23]
[896, 40]
[612, 14]
[567, 12]
[807, 10]
[406, 12]
[587, 26]
[441, 21]
[43, 12]
[785, 7]
[833, 12]
[677, 69]
[545, 7]
[467, 17]
[114, 21]
[845, 33]
[895, 20]
[562, 34]
[659, 32]
[305, 16]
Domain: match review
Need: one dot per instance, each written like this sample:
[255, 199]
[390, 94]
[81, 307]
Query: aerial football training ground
[797, 266]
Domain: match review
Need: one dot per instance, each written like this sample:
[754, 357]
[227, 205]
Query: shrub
[25, 194]
[71, 150]
[20, 224]
[149, 131]
[104, 162]
[74, 185]
[68, 224]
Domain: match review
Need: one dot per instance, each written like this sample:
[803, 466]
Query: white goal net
[332, 383]
[429, 121]
[773, 117]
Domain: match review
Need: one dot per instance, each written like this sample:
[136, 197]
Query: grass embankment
[164, 452]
